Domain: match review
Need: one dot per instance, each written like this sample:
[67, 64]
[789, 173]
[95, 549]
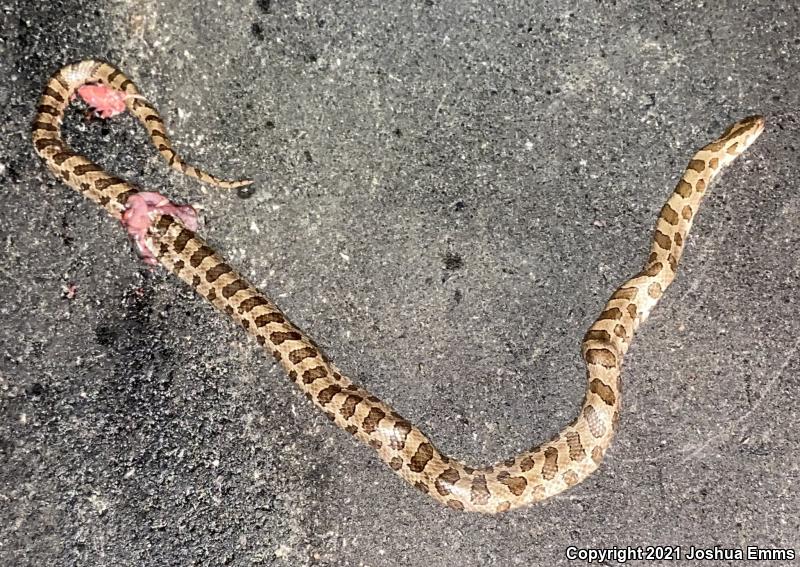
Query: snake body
[534, 475]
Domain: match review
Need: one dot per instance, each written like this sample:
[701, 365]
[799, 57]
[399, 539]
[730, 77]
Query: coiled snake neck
[536, 474]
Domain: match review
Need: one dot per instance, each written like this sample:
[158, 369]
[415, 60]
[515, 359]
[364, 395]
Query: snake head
[745, 131]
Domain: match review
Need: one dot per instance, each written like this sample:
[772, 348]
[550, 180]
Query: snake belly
[533, 475]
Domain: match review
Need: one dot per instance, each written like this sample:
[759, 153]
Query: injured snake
[165, 233]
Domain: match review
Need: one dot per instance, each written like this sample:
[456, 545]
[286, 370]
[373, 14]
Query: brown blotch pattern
[698, 165]
[113, 75]
[280, 337]
[400, 433]
[576, 451]
[200, 254]
[45, 143]
[104, 183]
[653, 269]
[297, 356]
[455, 505]
[597, 335]
[83, 169]
[233, 288]
[625, 293]
[45, 126]
[603, 390]
[527, 463]
[325, 396]
[683, 189]
[479, 492]
[183, 237]
[47, 109]
[214, 273]
[350, 404]
[53, 94]
[61, 157]
[550, 466]
[613, 313]
[446, 480]
[372, 420]
[421, 457]
[669, 214]
[673, 262]
[312, 374]
[601, 356]
[164, 223]
[267, 318]
[516, 484]
[662, 240]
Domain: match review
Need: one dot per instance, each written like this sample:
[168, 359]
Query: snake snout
[755, 124]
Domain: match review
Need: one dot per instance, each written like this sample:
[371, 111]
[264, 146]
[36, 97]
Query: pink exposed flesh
[141, 210]
[70, 290]
[105, 101]
[141, 207]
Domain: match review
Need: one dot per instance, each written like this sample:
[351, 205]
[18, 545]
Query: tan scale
[536, 474]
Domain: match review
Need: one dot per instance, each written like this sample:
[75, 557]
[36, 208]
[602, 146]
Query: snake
[166, 234]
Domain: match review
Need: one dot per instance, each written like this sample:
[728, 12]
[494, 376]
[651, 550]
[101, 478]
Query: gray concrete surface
[448, 192]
